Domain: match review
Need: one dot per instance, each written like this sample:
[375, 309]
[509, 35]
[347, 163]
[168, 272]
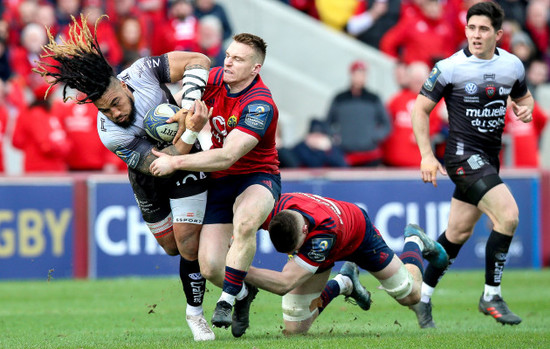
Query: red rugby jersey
[336, 228]
[252, 111]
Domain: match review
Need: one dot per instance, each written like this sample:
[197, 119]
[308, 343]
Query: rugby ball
[155, 122]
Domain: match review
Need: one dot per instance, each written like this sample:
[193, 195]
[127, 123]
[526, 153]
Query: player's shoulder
[509, 58]
[215, 76]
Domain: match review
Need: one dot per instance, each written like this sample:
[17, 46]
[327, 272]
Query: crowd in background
[358, 130]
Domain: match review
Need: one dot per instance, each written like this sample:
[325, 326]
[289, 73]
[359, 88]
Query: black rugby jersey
[476, 91]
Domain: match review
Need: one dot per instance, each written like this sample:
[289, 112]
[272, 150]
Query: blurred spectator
[525, 137]
[211, 39]
[22, 58]
[372, 18]
[132, 41]
[335, 13]
[400, 74]
[5, 68]
[522, 46]
[149, 13]
[359, 120]
[426, 36]
[537, 74]
[287, 158]
[106, 34]
[18, 18]
[179, 32]
[86, 151]
[317, 149]
[40, 135]
[210, 7]
[66, 9]
[45, 16]
[400, 147]
[537, 25]
[514, 10]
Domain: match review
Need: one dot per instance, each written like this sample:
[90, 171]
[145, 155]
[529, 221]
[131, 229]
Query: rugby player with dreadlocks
[172, 207]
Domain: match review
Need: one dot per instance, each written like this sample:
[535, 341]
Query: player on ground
[245, 181]
[476, 83]
[171, 206]
[319, 231]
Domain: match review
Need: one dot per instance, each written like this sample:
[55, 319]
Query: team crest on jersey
[470, 88]
[460, 171]
[232, 121]
[257, 116]
[319, 248]
[490, 91]
[429, 84]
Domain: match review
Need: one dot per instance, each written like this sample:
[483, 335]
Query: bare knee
[213, 271]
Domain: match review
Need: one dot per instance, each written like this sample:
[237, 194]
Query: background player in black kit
[477, 83]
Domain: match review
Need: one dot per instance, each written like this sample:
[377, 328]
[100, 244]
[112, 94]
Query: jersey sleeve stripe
[304, 264]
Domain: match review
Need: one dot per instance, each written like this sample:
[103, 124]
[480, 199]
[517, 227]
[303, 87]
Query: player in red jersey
[319, 231]
[245, 174]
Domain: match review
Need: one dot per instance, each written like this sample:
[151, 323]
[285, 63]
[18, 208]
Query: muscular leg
[213, 247]
[462, 219]
[499, 205]
[298, 318]
[393, 269]
[251, 209]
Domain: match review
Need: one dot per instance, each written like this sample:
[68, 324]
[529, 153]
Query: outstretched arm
[236, 145]
[278, 282]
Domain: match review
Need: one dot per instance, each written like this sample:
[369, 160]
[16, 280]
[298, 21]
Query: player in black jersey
[477, 84]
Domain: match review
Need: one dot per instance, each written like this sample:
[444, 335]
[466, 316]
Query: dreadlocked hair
[80, 63]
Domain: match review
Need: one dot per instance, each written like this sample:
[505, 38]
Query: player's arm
[192, 68]
[279, 282]
[420, 118]
[236, 145]
[523, 107]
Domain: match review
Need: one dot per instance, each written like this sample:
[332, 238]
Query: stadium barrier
[88, 225]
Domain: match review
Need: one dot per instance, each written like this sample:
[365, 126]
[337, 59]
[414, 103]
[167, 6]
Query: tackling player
[245, 174]
[319, 231]
[476, 83]
[171, 206]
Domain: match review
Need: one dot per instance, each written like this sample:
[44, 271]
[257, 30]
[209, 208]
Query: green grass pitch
[149, 313]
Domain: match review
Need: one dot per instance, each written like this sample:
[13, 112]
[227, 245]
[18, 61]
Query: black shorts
[153, 194]
[224, 190]
[473, 174]
[373, 254]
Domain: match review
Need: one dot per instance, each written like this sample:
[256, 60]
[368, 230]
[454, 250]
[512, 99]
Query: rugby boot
[241, 312]
[222, 314]
[200, 328]
[498, 309]
[358, 293]
[423, 313]
[433, 252]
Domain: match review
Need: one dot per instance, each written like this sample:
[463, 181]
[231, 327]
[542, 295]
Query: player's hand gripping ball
[155, 122]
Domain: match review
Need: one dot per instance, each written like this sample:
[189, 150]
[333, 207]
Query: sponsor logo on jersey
[257, 116]
[470, 88]
[429, 84]
[490, 91]
[476, 162]
[504, 91]
[489, 76]
[232, 121]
